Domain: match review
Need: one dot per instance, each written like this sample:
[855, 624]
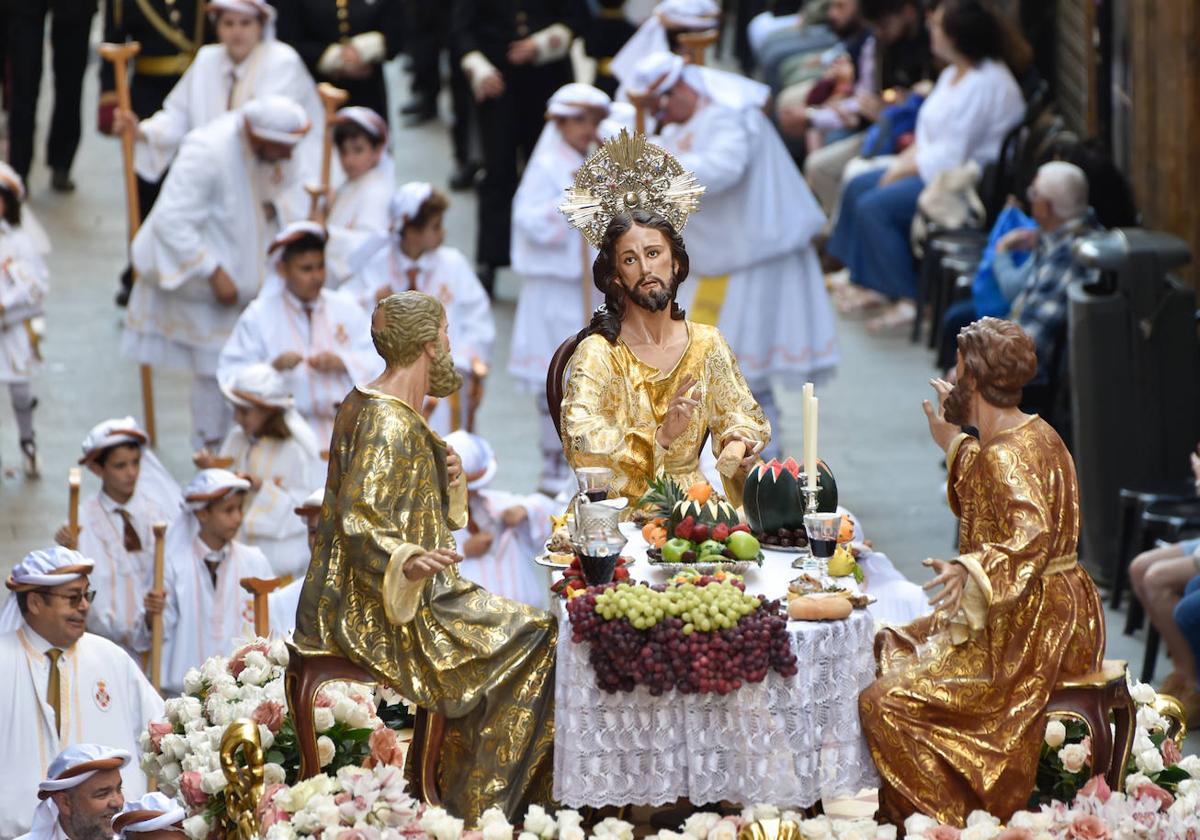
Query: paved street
[873, 432]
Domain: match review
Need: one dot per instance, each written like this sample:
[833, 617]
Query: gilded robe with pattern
[955, 720]
[485, 662]
[614, 402]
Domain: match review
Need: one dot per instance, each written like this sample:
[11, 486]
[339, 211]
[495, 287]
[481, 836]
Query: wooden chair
[555, 380]
[1090, 698]
[307, 671]
[260, 588]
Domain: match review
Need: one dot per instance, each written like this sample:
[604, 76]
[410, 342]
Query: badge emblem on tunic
[340, 334]
[101, 696]
[445, 295]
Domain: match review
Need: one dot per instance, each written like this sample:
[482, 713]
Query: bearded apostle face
[444, 380]
[645, 267]
[404, 332]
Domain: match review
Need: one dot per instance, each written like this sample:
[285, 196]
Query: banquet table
[786, 741]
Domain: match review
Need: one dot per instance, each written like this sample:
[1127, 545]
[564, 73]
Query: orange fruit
[700, 492]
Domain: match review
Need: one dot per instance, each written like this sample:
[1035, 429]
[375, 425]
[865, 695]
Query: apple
[744, 546]
[709, 547]
[673, 550]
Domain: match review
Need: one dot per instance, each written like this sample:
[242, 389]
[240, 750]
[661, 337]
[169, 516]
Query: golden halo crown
[629, 173]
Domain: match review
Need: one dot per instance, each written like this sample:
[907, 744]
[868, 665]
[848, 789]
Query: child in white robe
[205, 611]
[411, 256]
[24, 283]
[359, 208]
[116, 528]
[283, 603]
[505, 531]
[554, 260]
[271, 446]
[319, 339]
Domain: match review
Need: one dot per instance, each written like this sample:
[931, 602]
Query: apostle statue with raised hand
[645, 387]
[383, 588]
[955, 719]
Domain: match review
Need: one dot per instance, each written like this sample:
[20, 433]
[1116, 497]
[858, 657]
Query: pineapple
[660, 498]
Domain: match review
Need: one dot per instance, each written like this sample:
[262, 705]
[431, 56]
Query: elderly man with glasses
[60, 685]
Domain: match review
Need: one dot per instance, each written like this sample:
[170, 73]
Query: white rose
[1142, 694]
[343, 707]
[816, 829]
[1056, 733]
[698, 825]
[885, 832]
[614, 828]
[917, 824]
[1150, 761]
[503, 831]
[1191, 765]
[540, 823]
[220, 714]
[323, 719]
[192, 681]
[1035, 821]
[1142, 742]
[278, 652]
[196, 827]
[360, 716]
[213, 782]
[856, 832]
[255, 676]
[568, 819]
[723, 830]
[170, 772]
[281, 831]
[571, 832]
[982, 818]
[1134, 781]
[982, 831]
[1184, 806]
[1073, 757]
[447, 828]
[667, 834]
[213, 668]
[325, 750]
[527, 835]
[265, 736]
[327, 812]
[273, 774]
[1189, 787]
[1150, 720]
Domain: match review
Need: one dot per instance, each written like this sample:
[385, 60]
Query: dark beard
[656, 300]
[97, 828]
[958, 403]
[444, 380]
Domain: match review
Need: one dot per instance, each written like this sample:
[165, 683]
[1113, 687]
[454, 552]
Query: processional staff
[332, 98]
[156, 620]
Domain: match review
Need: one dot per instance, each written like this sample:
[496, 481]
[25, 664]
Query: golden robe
[955, 720]
[614, 402]
[484, 662]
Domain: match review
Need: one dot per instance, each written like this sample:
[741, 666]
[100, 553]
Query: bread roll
[819, 607]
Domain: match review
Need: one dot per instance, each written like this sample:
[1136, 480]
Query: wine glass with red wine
[594, 482]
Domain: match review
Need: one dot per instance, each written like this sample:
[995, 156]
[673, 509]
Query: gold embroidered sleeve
[731, 407]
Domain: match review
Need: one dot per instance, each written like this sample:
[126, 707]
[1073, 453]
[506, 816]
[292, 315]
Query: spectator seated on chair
[1167, 582]
[974, 104]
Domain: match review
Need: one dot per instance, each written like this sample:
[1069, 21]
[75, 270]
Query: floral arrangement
[1065, 768]
[181, 751]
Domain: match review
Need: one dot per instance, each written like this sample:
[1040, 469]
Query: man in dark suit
[345, 43]
[70, 23]
[605, 31]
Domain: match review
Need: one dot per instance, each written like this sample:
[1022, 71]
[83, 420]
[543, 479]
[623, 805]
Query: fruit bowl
[705, 566]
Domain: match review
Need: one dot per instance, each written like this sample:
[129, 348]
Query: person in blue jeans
[1167, 582]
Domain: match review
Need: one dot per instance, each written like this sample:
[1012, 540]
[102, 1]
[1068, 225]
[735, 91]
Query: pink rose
[266, 813]
[385, 749]
[1088, 827]
[1012, 833]
[942, 832]
[472, 835]
[159, 728]
[193, 794]
[1171, 753]
[237, 663]
[1097, 787]
[323, 701]
[270, 714]
[1154, 793]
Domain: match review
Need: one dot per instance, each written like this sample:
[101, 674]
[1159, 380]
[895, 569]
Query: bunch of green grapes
[713, 606]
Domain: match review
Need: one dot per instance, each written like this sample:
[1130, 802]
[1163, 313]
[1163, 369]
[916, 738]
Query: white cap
[365, 118]
[478, 460]
[294, 231]
[110, 433]
[572, 100]
[407, 201]
[211, 485]
[658, 72]
[71, 768]
[688, 14]
[622, 115]
[41, 569]
[276, 119]
[312, 502]
[12, 181]
[153, 812]
[258, 386]
[259, 8]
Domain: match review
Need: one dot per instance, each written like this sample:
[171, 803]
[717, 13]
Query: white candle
[806, 417]
[810, 445]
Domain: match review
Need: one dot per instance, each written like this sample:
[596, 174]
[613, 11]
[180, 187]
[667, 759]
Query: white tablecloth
[783, 741]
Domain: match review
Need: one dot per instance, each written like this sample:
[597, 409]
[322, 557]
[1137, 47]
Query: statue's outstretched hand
[453, 466]
[952, 577]
[940, 430]
[429, 564]
[679, 412]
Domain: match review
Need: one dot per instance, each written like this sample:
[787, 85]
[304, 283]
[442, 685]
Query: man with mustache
[955, 720]
[383, 588]
[80, 795]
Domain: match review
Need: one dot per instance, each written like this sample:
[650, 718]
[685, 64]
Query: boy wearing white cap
[504, 532]
[412, 256]
[115, 528]
[750, 243]
[272, 447]
[360, 205]
[319, 339]
[81, 794]
[203, 606]
[153, 817]
[554, 260]
[247, 63]
[199, 255]
[660, 33]
[24, 283]
[60, 685]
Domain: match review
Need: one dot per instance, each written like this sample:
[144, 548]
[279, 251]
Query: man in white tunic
[504, 532]
[318, 338]
[412, 256]
[360, 206]
[116, 528]
[553, 259]
[205, 611]
[200, 256]
[660, 31]
[81, 794]
[153, 817]
[60, 685]
[750, 243]
[247, 63]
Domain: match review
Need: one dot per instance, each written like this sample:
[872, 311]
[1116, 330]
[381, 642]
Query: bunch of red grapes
[671, 651]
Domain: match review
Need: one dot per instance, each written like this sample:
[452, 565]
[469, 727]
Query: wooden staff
[260, 588]
[695, 45]
[74, 477]
[156, 621]
[120, 55]
[332, 98]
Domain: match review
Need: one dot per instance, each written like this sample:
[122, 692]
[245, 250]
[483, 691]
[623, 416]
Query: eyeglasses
[74, 599]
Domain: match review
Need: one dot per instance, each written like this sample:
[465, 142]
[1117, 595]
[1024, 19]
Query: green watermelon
[772, 498]
[713, 512]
